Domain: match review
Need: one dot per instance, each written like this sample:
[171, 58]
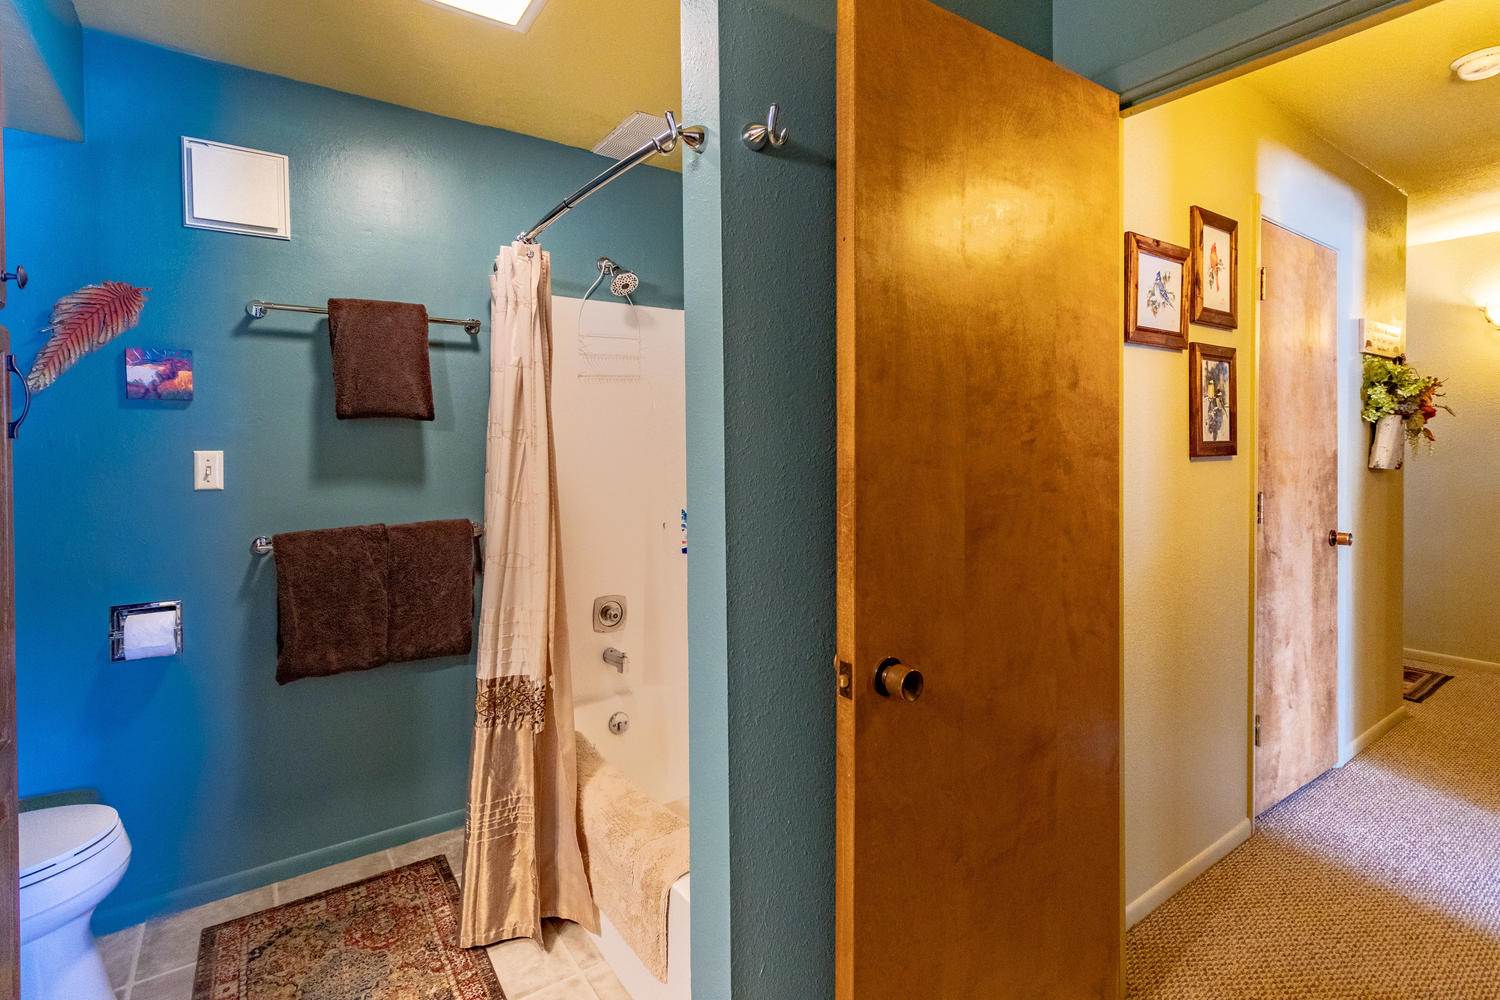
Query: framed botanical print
[1213, 407]
[1156, 309]
[1215, 282]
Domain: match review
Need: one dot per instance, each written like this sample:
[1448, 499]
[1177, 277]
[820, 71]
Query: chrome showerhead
[631, 134]
[622, 282]
[625, 282]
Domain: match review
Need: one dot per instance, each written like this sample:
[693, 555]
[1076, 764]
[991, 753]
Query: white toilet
[71, 857]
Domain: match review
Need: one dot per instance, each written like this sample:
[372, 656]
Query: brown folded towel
[380, 365]
[331, 601]
[431, 587]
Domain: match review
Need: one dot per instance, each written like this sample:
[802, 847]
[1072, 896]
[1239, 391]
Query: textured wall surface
[1025, 22]
[220, 774]
[1452, 491]
[760, 492]
[1189, 524]
[41, 58]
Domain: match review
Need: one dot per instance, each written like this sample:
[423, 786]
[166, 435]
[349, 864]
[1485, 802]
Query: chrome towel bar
[257, 309]
[261, 545]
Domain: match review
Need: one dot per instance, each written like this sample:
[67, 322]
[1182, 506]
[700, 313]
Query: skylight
[517, 14]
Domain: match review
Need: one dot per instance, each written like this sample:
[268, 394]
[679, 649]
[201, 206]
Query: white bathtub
[653, 752]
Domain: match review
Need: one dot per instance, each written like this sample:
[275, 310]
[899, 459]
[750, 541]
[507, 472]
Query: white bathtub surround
[622, 488]
[522, 860]
[652, 751]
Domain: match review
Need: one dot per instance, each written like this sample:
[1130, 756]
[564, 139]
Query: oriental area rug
[391, 937]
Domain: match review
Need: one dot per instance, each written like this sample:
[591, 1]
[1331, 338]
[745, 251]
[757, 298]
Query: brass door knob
[1341, 538]
[894, 679]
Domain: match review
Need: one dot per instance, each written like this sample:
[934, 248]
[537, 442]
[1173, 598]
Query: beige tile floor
[156, 960]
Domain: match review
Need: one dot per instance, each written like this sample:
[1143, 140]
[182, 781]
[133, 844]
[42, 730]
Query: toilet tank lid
[52, 837]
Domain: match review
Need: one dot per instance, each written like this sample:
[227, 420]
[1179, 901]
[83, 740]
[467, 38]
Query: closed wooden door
[979, 274]
[10, 862]
[1296, 570]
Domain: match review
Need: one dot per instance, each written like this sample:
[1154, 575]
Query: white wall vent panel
[235, 190]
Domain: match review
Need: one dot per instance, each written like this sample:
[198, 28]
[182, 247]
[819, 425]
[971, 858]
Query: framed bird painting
[1156, 306]
[1213, 402]
[1215, 281]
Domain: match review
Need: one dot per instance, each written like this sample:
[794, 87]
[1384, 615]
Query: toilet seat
[56, 840]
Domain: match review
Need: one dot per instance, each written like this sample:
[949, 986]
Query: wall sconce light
[1491, 312]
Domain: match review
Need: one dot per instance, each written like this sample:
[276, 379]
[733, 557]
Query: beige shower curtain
[522, 860]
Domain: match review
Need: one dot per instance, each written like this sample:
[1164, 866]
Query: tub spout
[616, 659]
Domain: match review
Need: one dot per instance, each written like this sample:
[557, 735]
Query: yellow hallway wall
[1452, 534]
[1189, 524]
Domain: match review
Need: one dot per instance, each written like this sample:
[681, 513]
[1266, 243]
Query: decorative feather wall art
[82, 322]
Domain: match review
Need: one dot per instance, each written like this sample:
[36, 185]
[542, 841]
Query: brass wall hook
[756, 135]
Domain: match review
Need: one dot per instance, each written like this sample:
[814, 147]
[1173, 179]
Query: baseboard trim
[1372, 734]
[108, 919]
[1168, 887]
[1446, 660]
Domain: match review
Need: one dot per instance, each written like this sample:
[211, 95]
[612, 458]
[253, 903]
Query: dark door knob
[18, 276]
[894, 679]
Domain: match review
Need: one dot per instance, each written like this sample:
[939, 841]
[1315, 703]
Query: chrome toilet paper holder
[120, 612]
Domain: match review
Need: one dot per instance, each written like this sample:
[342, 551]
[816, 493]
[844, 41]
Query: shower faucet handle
[616, 659]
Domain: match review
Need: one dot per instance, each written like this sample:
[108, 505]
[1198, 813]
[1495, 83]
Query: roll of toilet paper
[153, 633]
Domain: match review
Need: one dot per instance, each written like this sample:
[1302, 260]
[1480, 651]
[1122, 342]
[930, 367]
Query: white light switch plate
[208, 470]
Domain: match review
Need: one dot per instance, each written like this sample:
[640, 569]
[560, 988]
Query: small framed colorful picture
[1213, 408]
[158, 373]
[1156, 310]
[1215, 284]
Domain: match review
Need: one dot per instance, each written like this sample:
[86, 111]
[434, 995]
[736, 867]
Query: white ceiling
[1386, 97]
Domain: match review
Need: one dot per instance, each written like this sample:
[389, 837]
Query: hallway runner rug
[1417, 683]
[391, 937]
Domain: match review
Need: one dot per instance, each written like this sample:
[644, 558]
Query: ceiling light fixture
[1492, 312]
[1480, 65]
[517, 14]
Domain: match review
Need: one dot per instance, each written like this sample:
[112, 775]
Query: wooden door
[979, 271]
[1296, 570]
[10, 862]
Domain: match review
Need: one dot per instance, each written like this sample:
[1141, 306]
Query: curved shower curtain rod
[691, 135]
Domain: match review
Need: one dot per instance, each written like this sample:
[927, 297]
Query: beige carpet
[1379, 881]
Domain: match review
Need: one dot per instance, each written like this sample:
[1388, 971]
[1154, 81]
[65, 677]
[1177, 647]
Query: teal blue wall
[220, 774]
[760, 353]
[1025, 22]
[760, 488]
[41, 51]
